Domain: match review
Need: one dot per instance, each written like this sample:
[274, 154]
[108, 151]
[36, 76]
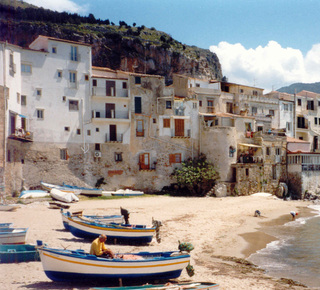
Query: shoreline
[215, 226]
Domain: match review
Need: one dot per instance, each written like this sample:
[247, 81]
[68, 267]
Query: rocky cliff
[135, 49]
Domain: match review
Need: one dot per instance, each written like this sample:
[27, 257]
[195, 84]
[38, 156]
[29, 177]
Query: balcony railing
[114, 138]
[22, 135]
[140, 133]
[102, 92]
[186, 134]
[114, 115]
[74, 57]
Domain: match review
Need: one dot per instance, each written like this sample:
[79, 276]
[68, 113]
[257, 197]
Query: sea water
[296, 252]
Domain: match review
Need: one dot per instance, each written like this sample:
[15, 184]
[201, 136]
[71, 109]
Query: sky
[264, 43]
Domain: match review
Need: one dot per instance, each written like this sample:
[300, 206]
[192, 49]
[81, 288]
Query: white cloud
[59, 5]
[269, 67]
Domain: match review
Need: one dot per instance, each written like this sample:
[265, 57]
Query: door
[12, 124]
[179, 127]
[113, 132]
[110, 110]
[144, 161]
[110, 88]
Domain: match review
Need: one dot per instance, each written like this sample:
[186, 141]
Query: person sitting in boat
[98, 248]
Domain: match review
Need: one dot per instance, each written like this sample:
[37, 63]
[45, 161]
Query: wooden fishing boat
[126, 233]
[5, 225]
[92, 218]
[18, 253]
[68, 265]
[49, 187]
[167, 286]
[13, 236]
[85, 190]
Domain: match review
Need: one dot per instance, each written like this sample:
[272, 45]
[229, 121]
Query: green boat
[18, 253]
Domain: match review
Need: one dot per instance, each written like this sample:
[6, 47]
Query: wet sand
[223, 231]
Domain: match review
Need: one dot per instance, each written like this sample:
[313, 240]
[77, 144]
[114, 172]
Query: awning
[250, 145]
[22, 116]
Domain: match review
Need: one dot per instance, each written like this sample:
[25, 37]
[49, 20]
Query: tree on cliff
[197, 175]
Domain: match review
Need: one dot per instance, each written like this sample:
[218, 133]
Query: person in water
[99, 249]
[293, 214]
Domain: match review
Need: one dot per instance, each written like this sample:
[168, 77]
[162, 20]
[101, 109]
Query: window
[285, 107]
[59, 74]
[247, 171]
[260, 128]
[255, 93]
[254, 110]
[274, 172]
[154, 121]
[40, 114]
[25, 68]
[200, 103]
[64, 154]
[315, 120]
[86, 77]
[39, 92]
[67, 129]
[97, 146]
[194, 105]
[288, 126]
[97, 130]
[241, 91]
[166, 123]
[137, 80]
[74, 53]
[118, 156]
[73, 79]
[64, 98]
[78, 132]
[197, 85]
[124, 85]
[229, 107]
[267, 151]
[271, 112]
[23, 100]
[210, 108]
[302, 123]
[310, 105]
[94, 83]
[89, 132]
[175, 158]
[168, 105]
[299, 102]
[73, 105]
[54, 49]
[137, 105]
[278, 151]
[140, 128]
[318, 103]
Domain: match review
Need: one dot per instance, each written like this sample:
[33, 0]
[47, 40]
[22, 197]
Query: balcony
[102, 92]
[22, 135]
[178, 134]
[120, 116]
[75, 57]
[114, 138]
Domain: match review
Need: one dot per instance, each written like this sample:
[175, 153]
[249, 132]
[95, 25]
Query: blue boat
[85, 190]
[18, 253]
[77, 265]
[5, 225]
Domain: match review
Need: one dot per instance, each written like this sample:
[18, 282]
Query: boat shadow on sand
[88, 284]
[111, 242]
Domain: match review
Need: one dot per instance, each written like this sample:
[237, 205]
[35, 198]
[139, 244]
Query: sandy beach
[224, 233]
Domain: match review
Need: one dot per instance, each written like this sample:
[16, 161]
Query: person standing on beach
[293, 214]
[98, 248]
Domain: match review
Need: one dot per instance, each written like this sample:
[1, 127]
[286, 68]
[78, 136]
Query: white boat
[33, 193]
[122, 192]
[63, 196]
[13, 235]
[9, 207]
[68, 265]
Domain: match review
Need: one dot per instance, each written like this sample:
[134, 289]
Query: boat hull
[9, 207]
[13, 236]
[18, 253]
[64, 265]
[121, 233]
